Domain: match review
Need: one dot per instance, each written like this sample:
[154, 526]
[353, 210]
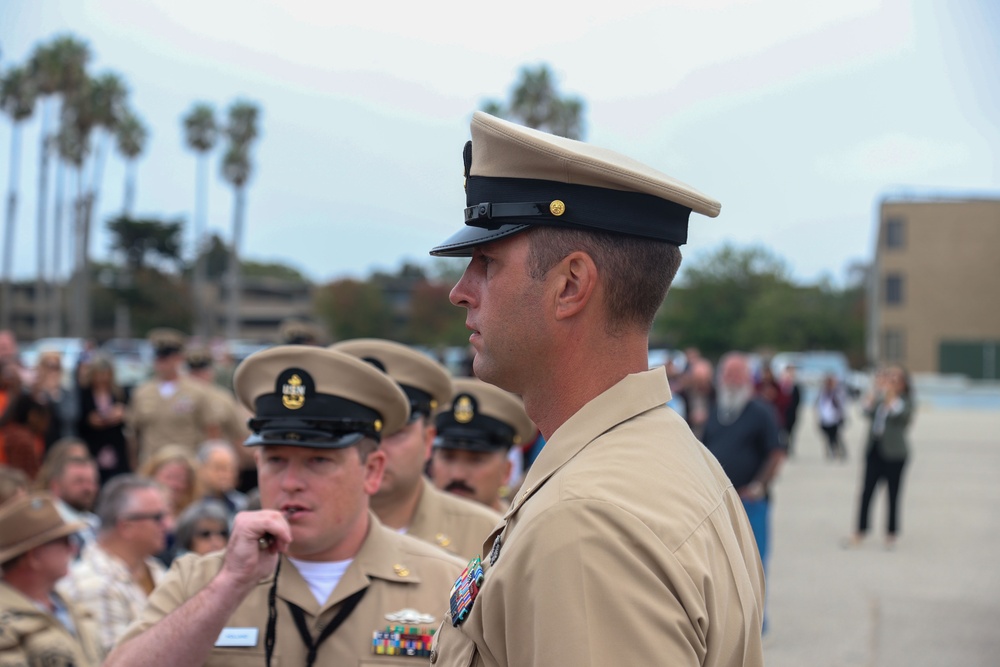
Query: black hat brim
[461, 243]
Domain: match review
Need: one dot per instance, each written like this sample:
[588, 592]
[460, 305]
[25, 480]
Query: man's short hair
[636, 272]
[115, 497]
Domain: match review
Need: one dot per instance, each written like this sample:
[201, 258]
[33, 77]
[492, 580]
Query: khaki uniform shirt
[452, 523]
[626, 545]
[232, 417]
[181, 419]
[30, 636]
[407, 584]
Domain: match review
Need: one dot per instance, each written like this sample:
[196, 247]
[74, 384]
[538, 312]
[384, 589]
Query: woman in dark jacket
[890, 409]
[102, 411]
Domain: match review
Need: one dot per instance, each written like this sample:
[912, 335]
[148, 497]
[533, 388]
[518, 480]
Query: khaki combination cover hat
[167, 341]
[426, 382]
[28, 522]
[482, 418]
[517, 177]
[313, 397]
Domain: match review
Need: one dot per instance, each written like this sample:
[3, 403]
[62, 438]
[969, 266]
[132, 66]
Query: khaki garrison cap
[313, 397]
[166, 341]
[28, 522]
[517, 177]
[426, 382]
[482, 418]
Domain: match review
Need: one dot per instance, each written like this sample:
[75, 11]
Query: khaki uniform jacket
[400, 573]
[232, 418]
[182, 419]
[30, 637]
[452, 523]
[626, 545]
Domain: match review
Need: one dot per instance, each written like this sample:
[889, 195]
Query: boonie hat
[516, 177]
[166, 341]
[482, 418]
[426, 383]
[313, 397]
[31, 521]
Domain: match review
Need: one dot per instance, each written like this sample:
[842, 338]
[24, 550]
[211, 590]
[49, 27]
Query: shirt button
[434, 656]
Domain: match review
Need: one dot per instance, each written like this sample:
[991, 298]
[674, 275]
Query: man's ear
[577, 279]
[374, 468]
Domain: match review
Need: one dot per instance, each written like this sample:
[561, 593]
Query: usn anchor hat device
[313, 397]
[516, 177]
[426, 382]
[482, 418]
[31, 521]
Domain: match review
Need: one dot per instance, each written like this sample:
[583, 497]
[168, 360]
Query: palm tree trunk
[130, 177]
[202, 326]
[8, 244]
[41, 288]
[55, 303]
[90, 212]
[76, 305]
[235, 278]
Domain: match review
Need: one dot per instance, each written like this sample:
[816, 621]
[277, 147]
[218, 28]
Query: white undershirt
[322, 577]
[168, 389]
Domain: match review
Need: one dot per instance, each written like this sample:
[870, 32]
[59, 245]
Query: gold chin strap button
[557, 207]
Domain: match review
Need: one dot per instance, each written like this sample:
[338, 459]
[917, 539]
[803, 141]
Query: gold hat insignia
[463, 411]
[293, 393]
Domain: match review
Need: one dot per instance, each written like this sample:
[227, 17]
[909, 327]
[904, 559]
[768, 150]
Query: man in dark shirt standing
[742, 432]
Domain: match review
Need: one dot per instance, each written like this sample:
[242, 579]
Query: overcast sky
[798, 116]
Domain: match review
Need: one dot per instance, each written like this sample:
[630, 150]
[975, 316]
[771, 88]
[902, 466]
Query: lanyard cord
[272, 615]
[300, 621]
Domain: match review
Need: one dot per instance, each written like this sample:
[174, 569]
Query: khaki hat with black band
[166, 342]
[313, 397]
[517, 177]
[482, 418]
[425, 382]
[30, 521]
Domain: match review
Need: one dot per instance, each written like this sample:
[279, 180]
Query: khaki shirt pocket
[238, 656]
[452, 647]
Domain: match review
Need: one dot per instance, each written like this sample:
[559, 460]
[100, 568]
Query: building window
[893, 346]
[894, 289]
[895, 233]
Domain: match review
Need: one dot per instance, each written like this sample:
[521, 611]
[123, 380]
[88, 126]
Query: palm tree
[131, 137]
[535, 102]
[236, 169]
[17, 100]
[58, 68]
[200, 133]
[72, 145]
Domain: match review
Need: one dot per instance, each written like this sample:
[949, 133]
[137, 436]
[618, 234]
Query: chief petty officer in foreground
[626, 543]
[313, 578]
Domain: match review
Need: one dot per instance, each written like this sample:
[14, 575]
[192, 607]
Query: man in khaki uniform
[314, 577]
[37, 625]
[626, 544]
[407, 501]
[475, 434]
[171, 408]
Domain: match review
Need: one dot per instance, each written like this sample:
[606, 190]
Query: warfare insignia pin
[495, 551]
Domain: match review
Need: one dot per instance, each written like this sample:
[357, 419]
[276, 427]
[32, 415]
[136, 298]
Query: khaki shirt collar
[633, 395]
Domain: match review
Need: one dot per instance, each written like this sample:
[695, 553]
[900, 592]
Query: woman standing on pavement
[890, 409]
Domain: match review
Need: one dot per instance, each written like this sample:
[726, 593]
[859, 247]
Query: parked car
[812, 366]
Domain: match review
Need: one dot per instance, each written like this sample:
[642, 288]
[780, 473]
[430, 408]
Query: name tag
[237, 637]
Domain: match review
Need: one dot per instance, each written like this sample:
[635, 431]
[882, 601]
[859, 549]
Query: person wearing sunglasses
[115, 575]
[202, 528]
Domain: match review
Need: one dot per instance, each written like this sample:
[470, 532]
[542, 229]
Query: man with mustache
[626, 543]
[313, 577]
[407, 501]
[475, 434]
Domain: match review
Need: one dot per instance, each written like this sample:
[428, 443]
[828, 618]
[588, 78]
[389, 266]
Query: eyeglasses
[205, 534]
[158, 517]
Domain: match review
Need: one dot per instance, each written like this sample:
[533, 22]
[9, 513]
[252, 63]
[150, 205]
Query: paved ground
[935, 599]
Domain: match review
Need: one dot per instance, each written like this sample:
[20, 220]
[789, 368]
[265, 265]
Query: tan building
[934, 286]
